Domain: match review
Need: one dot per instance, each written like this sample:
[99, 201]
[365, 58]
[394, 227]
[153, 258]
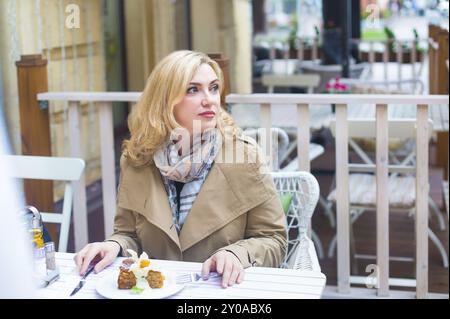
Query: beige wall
[76, 60]
[150, 35]
[73, 65]
[225, 26]
[217, 26]
[9, 53]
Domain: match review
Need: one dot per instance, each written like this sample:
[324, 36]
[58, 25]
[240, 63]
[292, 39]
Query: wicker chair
[280, 142]
[305, 191]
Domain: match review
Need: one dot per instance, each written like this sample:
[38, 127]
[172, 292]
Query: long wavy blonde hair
[152, 118]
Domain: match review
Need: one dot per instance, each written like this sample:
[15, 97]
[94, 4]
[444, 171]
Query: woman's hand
[226, 264]
[105, 252]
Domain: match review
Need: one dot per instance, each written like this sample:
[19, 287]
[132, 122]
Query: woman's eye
[215, 88]
[192, 89]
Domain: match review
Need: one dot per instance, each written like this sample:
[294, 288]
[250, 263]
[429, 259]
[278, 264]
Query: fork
[193, 277]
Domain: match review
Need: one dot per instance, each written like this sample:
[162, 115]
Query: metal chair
[50, 168]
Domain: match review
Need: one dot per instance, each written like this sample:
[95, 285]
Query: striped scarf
[191, 169]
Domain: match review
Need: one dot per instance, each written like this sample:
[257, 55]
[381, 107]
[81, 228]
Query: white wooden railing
[416, 73]
[373, 46]
[104, 100]
[303, 102]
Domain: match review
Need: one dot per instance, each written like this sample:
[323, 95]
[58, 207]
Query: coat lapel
[143, 191]
[215, 206]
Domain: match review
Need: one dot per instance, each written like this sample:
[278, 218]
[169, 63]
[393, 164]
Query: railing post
[108, 165]
[35, 128]
[300, 49]
[386, 59]
[413, 62]
[442, 88]
[442, 57]
[422, 190]
[342, 205]
[382, 142]
[371, 56]
[399, 63]
[79, 201]
[266, 137]
[314, 54]
[303, 137]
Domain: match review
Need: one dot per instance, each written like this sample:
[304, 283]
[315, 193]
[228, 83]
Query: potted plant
[393, 49]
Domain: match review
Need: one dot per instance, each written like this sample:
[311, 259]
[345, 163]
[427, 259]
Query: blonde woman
[181, 195]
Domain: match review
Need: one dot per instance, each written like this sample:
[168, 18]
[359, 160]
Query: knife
[82, 281]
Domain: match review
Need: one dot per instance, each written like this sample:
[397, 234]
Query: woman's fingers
[102, 254]
[241, 275]
[107, 259]
[227, 270]
[90, 255]
[234, 275]
[206, 267]
[225, 264]
[219, 259]
[79, 257]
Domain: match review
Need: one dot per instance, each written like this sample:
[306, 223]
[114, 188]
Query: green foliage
[286, 200]
[391, 36]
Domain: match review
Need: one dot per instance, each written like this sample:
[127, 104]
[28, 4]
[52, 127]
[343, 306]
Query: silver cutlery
[193, 277]
[82, 281]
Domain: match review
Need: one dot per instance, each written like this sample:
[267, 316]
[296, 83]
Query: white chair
[50, 168]
[304, 189]
[362, 184]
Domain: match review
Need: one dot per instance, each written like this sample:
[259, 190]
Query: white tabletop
[282, 115]
[259, 282]
[437, 113]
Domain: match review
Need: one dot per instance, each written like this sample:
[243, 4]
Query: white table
[259, 282]
[282, 115]
[437, 113]
[285, 115]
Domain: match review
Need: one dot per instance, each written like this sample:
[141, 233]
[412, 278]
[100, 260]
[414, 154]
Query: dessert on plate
[136, 273]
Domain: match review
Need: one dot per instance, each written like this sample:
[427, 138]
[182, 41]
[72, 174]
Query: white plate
[107, 287]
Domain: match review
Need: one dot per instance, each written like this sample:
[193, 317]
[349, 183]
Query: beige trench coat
[237, 209]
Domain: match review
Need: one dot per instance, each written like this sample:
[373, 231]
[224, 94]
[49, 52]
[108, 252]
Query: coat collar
[142, 191]
[215, 206]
